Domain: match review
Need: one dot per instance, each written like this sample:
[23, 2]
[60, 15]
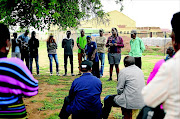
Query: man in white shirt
[165, 87]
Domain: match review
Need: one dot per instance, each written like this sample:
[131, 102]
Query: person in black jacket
[33, 46]
[16, 45]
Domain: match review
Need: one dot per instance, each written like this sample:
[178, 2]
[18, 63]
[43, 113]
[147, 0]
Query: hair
[5, 34]
[51, 39]
[116, 30]
[68, 32]
[128, 61]
[175, 22]
[81, 30]
[33, 34]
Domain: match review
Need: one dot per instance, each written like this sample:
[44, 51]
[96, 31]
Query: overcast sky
[146, 12]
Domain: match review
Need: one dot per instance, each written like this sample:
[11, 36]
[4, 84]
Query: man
[130, 83]
[16, 45]
[84, 100]
[92, 55]
[170, 53]
[33, 46]
[137, 48]
[165, 86]
[68, 44]
[24, 47]
[101, 43]
[81, 43]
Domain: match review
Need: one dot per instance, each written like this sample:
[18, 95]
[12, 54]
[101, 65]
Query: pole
[164, 42]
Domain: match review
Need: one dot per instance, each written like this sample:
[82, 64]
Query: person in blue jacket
[84, 100]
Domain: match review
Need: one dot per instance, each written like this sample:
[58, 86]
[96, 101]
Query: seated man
[130, 83]
[84, 96]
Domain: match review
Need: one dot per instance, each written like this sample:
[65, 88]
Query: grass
[57, 87]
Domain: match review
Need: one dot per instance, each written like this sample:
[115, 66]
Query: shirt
[115, 49]
[68, 44]
[137, 47]
[85, 94]
[33, 46]
[90, 49]
[24, 38]
[129, 87]
[15, 81]
[82, 42]
[51, 48]
[101, 42]
[165, 88]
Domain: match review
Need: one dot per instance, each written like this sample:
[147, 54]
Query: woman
[16, 81]
[114, 44]
[51, 48]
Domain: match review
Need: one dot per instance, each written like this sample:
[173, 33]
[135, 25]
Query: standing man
[68, 44]
[24, 47]
[101, 43]
[84, 100]
[16, 45]
[81, 43]
[165, 86]
[114, 44]
[33, 46]
[92, 55]
[137, 48]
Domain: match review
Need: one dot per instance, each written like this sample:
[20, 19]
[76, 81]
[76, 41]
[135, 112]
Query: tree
[41, 13]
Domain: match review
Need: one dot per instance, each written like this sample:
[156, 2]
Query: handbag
[151, 113]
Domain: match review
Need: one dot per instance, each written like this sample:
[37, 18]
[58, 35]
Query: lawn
[53, 89]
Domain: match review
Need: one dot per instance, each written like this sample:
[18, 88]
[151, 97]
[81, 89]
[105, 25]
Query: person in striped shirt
[16, 81]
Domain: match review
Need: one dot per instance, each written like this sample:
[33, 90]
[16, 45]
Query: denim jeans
[37, 63]
[51, 56]
[102, 60]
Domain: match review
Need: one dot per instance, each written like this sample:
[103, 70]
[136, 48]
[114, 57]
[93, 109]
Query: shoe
[79, 74]
[72, 74]
[51, 74]
[110, 79]
[57, 74]
[38, 75]
[65, 75]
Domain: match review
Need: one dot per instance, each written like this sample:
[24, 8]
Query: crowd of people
[83, 101]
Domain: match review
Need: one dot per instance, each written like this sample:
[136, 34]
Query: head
[33, 34]
[5, 43]
[51, 38]
[86, 66]
[88, 39]
[128, 61]
[26, 32]
[170, 51]
[68, 33]
[114, 32]
[15, 35]
[133, 34]
[175, 35]
[101, 31]
[82, 32]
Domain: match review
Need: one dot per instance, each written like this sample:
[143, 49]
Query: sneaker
[57, 74]
[51, 74]
[110, 79]
[65, 75]
[72, 74]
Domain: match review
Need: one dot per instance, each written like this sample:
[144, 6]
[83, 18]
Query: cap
[88, 37]
[86, 65]
[133, 32]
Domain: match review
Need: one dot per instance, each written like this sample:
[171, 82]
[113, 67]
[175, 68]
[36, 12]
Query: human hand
[115, 44]
[110, 44]
[92, 57]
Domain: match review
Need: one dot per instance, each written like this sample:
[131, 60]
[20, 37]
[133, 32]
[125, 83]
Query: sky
[157, 13]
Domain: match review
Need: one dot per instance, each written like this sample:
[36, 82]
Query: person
[129, 89]
[51, 48]
[16, 81]
[164, 88]
[33, 46]
[114, 44]
[92, 55]
[101, 42]
[170, 53]
[16, 45]
[81, 43]
[84, 96]
[68, 44]
[137, 48]
[24, 47]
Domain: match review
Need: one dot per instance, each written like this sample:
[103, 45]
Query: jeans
[102, 60]
[16, 54]
[37, 63]
[25, 55]
[51, 56]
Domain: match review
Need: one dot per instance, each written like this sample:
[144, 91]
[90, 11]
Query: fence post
[164, 42]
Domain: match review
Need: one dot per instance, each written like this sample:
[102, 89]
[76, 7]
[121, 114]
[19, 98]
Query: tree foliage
[41, 13]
